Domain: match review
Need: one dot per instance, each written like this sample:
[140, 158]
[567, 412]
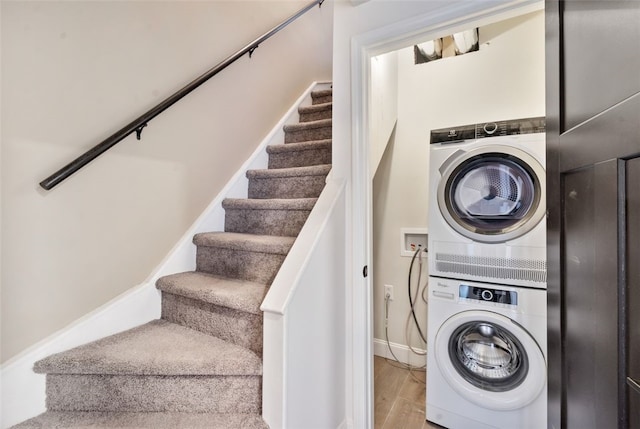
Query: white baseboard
[401, 351]
[22, 392]
[346, 424]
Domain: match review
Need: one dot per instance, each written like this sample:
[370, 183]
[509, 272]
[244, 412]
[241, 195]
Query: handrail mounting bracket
[139, 131]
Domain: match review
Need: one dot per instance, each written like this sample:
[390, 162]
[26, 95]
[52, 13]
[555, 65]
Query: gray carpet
[300, 155]
[133, 420]
[200, 365]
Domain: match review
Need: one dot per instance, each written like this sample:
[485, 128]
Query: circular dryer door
[490, 360]
[492, 193]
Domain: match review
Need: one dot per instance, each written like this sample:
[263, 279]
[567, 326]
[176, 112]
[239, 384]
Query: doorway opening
[429, 95]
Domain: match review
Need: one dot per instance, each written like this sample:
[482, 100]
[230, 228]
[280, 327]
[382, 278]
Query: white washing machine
[486, 366]
[487, 200]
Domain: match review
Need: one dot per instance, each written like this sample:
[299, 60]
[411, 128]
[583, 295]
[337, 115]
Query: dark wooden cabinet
[593, 197]
[590, 287]
[633, 292]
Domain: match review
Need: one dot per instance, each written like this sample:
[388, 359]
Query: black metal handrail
[138, 124]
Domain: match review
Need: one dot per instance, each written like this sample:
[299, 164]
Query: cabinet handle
[634, 384]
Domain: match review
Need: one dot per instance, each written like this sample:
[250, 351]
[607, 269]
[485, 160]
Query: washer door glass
[492, 194]
[489, 360]
[488, 356]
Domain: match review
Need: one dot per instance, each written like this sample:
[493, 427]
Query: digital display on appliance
[490, 295]
[527, 126]
[454, 134]
[488, 129]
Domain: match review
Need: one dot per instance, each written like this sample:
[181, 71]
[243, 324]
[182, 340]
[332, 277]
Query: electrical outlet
[388, 291]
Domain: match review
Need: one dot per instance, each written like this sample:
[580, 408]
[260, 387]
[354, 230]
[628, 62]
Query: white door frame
[450, 18]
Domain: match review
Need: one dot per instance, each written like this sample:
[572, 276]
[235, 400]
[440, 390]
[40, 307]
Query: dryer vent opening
[490, 267]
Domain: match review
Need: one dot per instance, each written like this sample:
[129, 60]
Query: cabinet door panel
[590, 297]
[600, 61]
[633, 289]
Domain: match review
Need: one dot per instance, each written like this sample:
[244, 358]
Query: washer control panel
[489, 129]
[487, 295]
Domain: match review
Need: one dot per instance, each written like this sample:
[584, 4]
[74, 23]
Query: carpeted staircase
[200, 365]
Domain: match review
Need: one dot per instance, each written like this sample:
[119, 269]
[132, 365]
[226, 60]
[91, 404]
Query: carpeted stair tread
[308, 131]
[299, 146]
[315, 112]
[305, 204]
[132, 420]
[314, 170]
[321, 93]
[315, 108]
[155, 348]
[154, 393]
[234, 326]
[240, 255]
[303, 126]
[236, 294]
[271, 216]
[290, 182]
[300, 154]
[321, 96]
[247, 242]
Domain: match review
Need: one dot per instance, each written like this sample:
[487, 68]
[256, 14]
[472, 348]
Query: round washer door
[492, 193]
[490, 360]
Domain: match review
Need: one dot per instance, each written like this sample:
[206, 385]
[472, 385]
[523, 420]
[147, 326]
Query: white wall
[504, 80]
[73, 73]
[303, 357]
[384, 104]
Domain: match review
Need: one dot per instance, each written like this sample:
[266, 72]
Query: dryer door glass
[488, 356]
[492, 194]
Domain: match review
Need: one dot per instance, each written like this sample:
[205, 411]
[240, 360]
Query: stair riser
[322, 99]
[287, 187]
[316, 116]
[237, 327]
[286, 223]
[128, 420]
[301, 158]
[307, 134]
[239, 264]
[230, 394]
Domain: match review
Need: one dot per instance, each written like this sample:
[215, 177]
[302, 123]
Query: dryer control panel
[489, 129]
[497, 296]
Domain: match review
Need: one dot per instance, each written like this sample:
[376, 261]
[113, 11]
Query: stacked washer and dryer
[487, 342]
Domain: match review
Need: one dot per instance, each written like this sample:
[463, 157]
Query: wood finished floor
[399, 399]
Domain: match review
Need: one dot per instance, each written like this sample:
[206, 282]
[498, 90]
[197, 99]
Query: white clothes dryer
[487, 204]
[486, 360]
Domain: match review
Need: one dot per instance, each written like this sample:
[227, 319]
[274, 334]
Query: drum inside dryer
[492, 195]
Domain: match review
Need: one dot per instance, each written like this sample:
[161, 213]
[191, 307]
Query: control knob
[490, 127]
[487, 295]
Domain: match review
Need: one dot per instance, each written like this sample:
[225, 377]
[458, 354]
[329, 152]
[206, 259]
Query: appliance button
[439, 294]
[487, 295]
[490, 127]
